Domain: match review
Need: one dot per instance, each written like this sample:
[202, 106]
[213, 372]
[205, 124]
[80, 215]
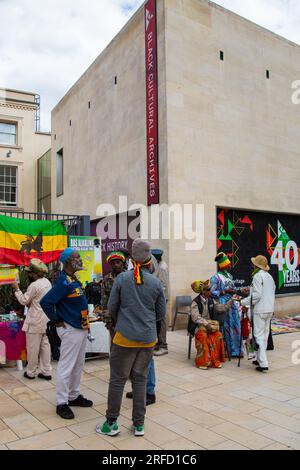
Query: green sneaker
[108, 430]
[139, 430]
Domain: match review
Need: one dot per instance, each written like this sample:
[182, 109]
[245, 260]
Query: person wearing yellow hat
[222, 290]
[208, 338]
[35, 325]
[262, 302]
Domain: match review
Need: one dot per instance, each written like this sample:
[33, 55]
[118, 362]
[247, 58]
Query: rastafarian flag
[21, 240]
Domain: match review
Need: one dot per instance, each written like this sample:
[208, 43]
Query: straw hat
[261, 262]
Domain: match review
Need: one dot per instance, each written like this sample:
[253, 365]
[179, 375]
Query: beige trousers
[38, 354]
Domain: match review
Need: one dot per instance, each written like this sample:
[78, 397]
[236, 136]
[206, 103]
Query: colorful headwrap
[66, 254]
[200, 286]
[116, 255]
[223, 261]
[137, 270]
[38, 267]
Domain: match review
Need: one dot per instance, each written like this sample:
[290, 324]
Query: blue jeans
[151, 378]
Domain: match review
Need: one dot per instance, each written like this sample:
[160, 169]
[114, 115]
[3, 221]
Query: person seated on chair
[208, 338]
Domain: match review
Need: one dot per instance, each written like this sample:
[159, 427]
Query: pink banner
[151, 102]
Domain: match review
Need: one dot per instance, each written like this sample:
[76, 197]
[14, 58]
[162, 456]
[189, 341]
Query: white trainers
[139, 430]
[161, 352]
[108, 430]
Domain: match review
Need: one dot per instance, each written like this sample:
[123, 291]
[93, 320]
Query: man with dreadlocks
[136, 303]
[117, 263]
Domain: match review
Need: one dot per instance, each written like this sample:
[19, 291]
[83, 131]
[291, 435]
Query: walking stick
[241, 341]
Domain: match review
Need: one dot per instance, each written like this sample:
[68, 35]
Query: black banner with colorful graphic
[244, 234]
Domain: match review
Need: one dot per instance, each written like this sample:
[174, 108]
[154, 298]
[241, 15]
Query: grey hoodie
[136, 309]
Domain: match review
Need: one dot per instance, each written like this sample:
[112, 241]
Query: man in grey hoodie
[136, 304]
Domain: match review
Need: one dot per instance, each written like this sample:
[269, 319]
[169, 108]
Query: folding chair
[181, 303]
[191, 328]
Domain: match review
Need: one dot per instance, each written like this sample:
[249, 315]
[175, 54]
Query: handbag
[220, 310]
[270, 346]
[254, 344]
[246, 327]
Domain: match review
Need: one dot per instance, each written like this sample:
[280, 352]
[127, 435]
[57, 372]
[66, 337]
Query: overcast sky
[46, 45]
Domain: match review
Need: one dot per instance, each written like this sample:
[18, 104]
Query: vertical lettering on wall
[151, 102]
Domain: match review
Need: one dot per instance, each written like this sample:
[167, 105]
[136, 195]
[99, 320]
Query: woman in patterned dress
[222, 290]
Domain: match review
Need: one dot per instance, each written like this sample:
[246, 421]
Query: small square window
[8, 133]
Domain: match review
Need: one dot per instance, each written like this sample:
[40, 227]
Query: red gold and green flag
[8, 276]
[22, 239]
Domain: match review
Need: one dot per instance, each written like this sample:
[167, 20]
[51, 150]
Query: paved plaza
[229, 408]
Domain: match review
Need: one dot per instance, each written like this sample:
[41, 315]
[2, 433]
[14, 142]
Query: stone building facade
[228, 130]
[20, 147]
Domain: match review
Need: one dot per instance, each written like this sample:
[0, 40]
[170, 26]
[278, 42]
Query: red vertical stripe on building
[151, 102]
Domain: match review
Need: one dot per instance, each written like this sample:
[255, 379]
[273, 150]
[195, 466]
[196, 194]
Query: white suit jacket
[262, 293]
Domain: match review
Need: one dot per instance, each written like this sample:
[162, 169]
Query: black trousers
[54, 341]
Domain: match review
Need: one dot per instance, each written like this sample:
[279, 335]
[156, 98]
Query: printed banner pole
[151, 102]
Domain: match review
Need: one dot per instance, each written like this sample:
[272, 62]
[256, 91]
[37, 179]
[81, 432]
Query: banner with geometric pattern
[243, 234]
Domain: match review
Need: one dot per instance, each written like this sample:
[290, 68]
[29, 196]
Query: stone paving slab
[224, 409]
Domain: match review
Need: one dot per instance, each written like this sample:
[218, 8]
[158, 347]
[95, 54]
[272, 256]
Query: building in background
[21, 144]
[44, 183]
[228, 136]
